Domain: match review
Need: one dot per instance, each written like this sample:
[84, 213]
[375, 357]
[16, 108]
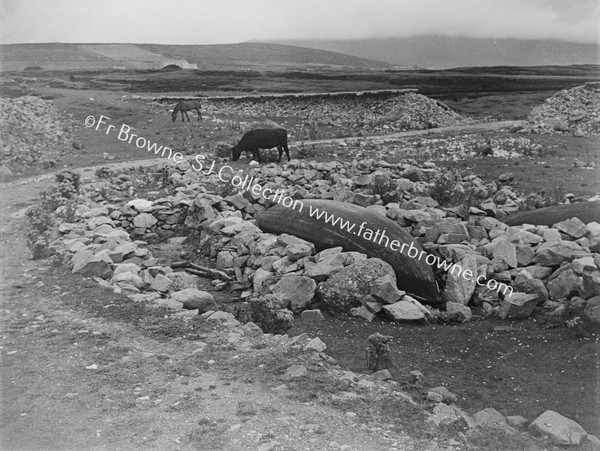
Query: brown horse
[184, 106]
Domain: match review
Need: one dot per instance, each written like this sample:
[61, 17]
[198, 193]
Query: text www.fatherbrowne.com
[380, 237]
[226, 174]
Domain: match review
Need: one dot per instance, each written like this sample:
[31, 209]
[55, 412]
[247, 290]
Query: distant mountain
[248, 55]
[437, 52]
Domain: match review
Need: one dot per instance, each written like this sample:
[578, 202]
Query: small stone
[489, 417]
[382, 375]
[315, 345]
[312, 315]
[295, 371]
[362, 312]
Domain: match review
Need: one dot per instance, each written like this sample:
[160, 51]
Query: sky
[232, 21]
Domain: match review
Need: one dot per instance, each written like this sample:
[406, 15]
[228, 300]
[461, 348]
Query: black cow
[262, 139]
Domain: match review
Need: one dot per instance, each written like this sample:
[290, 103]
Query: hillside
[446, 52]
[59, 56]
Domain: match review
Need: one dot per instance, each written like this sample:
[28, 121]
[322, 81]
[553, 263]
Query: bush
[306, 152]
[449, 190]
[386, 187]
[223, 150]
[103, 173]
[57, 202]
[69, 183]
[445, 189]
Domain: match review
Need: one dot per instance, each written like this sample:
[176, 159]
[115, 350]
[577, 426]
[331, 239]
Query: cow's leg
[280, 149]
[287, 151]
[257, 154]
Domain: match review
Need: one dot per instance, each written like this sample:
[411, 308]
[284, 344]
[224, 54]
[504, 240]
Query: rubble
[574, 111]
[31, 132]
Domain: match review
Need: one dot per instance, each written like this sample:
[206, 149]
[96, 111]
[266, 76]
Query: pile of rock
[369, 112]
[574, 111]
[525, 266]
[31, 131]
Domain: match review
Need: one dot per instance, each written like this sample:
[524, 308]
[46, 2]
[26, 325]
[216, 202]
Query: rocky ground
[100, 226]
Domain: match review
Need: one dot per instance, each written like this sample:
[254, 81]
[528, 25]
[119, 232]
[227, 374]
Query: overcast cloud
[230, 21]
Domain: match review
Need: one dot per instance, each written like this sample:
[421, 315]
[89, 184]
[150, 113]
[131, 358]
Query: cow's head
[235, 153]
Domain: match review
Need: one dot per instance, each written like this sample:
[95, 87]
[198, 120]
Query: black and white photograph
[266, 225]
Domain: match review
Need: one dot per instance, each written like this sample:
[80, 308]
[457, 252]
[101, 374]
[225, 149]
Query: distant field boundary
[287, 95]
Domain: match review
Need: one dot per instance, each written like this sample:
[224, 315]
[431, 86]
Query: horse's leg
[182, 115]
[199, 114]
[187, 116]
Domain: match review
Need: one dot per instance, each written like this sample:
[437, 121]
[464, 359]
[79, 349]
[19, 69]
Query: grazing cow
[262, 139]
[183, 106]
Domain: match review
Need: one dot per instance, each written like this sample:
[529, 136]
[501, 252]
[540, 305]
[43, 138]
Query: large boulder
[554, 253]
[294, 292]
[518, 306]
[90, 265]
[460, 285]
[344, 290]
[560, 430]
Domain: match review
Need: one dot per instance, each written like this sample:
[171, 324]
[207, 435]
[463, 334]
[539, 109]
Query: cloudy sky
[230, 21]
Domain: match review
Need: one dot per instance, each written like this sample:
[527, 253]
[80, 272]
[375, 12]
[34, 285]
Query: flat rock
[572, 226]
[312, 315]
[404, 311]
[559, 429]
[555, 252]
[144, 221]
[194, 299]
[140, 205]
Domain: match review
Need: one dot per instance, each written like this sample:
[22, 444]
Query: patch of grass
[245, 409]
[208, 434]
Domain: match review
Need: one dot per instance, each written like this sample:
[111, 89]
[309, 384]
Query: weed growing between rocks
[450, 190]
[59, 202]
[386, 187]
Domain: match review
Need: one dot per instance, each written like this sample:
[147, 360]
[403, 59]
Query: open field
[524, 370]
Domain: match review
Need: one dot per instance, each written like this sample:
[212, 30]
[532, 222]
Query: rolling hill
[250, 55]
[438, 52]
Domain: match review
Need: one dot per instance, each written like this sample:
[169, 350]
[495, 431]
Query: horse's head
[235, 153]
